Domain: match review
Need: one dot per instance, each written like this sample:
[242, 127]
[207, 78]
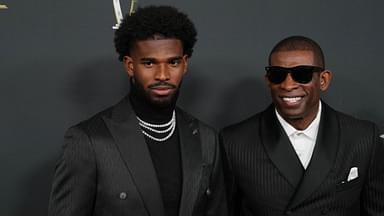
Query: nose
[289, 84]
[162, 73]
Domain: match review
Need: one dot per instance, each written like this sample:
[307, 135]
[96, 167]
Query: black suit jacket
[266, 177]
[106, 169]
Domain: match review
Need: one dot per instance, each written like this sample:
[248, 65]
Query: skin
[298, 103]
[158, 66]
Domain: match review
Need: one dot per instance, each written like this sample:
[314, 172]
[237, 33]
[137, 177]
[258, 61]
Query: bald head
[299, 43]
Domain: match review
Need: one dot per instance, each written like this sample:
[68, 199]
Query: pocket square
[353, 174]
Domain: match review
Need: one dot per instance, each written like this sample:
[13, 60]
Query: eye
[147, 63]
[174, 62]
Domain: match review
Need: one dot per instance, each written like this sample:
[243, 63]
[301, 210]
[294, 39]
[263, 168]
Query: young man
[300, 156]
[143, 156]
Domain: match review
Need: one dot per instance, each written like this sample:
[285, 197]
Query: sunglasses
[301, 74]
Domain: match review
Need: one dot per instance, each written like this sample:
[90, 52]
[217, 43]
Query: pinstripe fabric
[262, 181]
[105, 169]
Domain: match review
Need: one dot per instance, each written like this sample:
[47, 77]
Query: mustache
[162, 84]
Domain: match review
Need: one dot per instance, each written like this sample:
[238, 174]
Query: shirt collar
[310, 131]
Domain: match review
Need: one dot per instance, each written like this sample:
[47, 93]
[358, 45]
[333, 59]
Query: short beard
[139, 90]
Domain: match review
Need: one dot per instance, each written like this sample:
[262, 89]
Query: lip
[162, 90]
[291, 101]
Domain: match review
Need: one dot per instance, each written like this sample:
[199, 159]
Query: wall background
[58, 66]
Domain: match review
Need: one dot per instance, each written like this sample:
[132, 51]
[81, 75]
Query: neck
[148, 111]
[303, 122]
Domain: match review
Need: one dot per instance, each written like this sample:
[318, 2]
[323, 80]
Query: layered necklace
[165, 130]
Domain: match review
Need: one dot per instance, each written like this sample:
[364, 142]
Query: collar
[310, 131]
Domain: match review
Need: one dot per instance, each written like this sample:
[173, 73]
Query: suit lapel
[191, 158]
[129, 140]
[279, 148]
[323, 156]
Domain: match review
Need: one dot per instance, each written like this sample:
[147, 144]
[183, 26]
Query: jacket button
[123, 195]
[195, 131]
[208, 192]
[289, 212]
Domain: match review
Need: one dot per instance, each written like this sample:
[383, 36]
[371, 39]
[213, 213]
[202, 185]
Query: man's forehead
[293, 57]
[159, 47]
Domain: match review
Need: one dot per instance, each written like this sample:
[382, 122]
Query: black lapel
[191, 157]
[323, 157]
[279, 148]
[130, 141]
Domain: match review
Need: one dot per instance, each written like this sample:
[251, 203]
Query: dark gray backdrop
[58, 66]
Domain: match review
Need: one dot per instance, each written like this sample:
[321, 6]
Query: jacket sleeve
[74, 183]
[373, 192]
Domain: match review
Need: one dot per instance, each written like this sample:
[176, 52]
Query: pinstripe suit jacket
[106, 169]
[266, 177]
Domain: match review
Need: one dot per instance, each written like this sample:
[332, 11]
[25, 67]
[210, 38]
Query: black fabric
[262, 182]
[167, 162]
[106, 169]
[165, 155]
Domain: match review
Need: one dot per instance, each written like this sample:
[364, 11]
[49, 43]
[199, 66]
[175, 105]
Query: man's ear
[267, 80]
[128, 65]
[325, 79]
[185, 60]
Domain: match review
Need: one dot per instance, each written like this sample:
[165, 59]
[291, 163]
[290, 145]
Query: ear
[128, 65]
[325, 79]
[185, 60]
[267, 80]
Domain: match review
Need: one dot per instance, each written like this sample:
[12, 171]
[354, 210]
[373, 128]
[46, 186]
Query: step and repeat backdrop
[58, 67]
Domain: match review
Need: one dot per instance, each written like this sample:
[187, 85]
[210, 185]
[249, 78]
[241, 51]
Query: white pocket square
[353, 174]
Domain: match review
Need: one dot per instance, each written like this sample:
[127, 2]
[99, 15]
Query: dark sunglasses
[301, 74]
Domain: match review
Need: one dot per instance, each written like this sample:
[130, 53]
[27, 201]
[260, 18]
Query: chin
[294, 117]
[162, 101]
[291, 114]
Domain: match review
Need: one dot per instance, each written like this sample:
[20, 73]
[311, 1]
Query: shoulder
[352, 130]
[351, 123]
[79, 141]
[93, 127]
[246, 126]
[117, 112]
[92, 124]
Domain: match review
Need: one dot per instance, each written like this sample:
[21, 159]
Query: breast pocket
[349, 185]
[348, 193]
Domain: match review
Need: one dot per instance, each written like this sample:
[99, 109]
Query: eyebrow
[155, 60]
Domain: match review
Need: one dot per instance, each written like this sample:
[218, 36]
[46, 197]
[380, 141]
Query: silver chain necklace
[168, 127]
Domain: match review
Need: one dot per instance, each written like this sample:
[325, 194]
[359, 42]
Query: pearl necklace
[169, 128]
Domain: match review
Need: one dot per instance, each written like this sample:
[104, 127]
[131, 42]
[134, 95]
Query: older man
[300, 156]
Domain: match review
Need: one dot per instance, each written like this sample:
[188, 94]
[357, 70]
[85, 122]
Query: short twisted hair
[149, 22]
